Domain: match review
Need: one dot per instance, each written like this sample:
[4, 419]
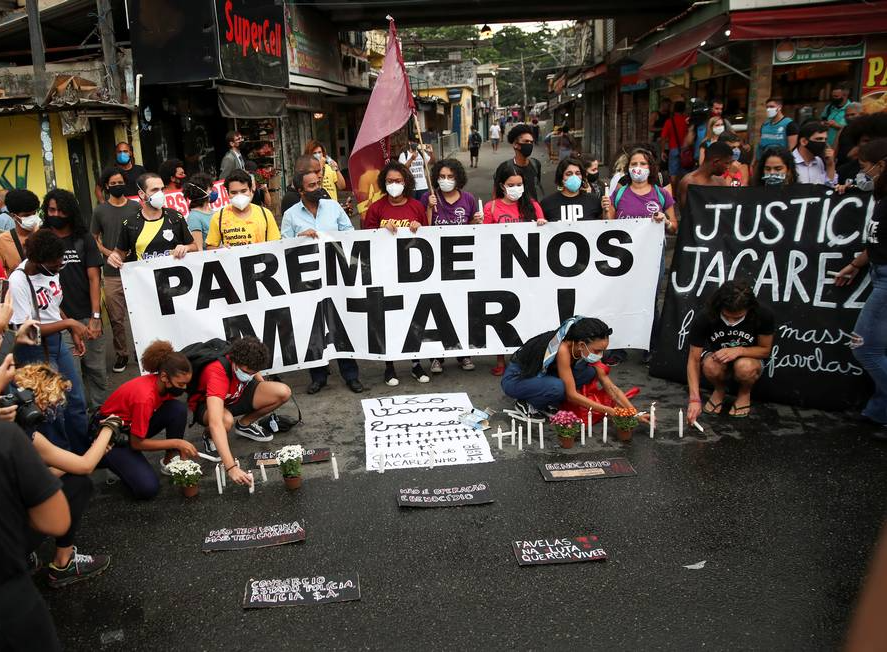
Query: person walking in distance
[233, 159]
[495, 136]
[474, 143]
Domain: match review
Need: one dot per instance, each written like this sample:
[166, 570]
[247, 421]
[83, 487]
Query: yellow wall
[467, 116]
[21, 159]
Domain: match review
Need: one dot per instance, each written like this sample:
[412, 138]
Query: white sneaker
[467, 364]
[436, 367]
[164, 468]
[419, 374]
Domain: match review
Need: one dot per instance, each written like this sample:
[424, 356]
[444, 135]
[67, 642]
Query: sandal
[498, 370]
[736, 409]
[715, 407]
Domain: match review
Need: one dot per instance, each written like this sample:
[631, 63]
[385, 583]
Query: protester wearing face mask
[572, 202]
[553, 367]
[814, 159]
[775, 168]
[417, 161]
[241, 222]
[201, 195]
[642, 198]
[81, 280]
[778, 130]
[593, 184]
[447, 203]
[332, 180]
[397, 209]
[24, 208]
[155, 230]
[729, 341]
[834, 115]
[713, 129]
[737, 173]
[520, 137]
[232, 393]
[147, 406]
[869, 342]
[172, 173]
[844, 142]
[123, 160]
[709, 173]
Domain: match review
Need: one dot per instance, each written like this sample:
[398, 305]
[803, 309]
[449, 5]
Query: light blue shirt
[6, 221]
[330, 217]
[813, 172]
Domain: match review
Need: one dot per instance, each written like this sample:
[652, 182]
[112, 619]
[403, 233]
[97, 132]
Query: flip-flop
[715, 407]
[739, 408]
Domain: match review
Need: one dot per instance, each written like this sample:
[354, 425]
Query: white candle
[680, 423]
[529, 433]
[219, 478]
[335, 468]
[252, 482]
[582, 434]
[513, 430]
[224, 475]
[698, 426]
[520, 438]
[499, 436]
[264, 475]
[589, 422]
[541, 442]
[652, 419]
[605, 428]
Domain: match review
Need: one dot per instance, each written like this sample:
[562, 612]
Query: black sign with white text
[565, 550]
[260, 536]
[586, 469]
[310, 456]
[473, 494]
[295, 591]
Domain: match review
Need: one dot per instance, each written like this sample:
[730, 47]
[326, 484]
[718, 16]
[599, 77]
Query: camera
[28, 414]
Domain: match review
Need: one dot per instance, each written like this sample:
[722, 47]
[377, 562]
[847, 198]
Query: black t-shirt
[876, 249]
[144, 239]
[80, 253]
[25, 482]
[716, 335]
[130, 176]
[531, 174]
[531, 355]
[107, 220]
[584, 206]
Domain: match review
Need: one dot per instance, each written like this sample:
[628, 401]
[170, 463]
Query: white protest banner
[372, 295]
[404, 432]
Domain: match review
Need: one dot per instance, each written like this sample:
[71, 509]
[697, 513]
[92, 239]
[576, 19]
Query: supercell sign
[251, 38]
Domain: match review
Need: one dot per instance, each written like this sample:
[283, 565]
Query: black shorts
[243, 405]
[473, 151]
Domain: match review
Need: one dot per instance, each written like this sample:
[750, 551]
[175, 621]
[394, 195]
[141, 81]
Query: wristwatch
[96, 315]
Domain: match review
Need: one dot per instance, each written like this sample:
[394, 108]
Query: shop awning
[237, 102]
[679, 51]
[847, 19]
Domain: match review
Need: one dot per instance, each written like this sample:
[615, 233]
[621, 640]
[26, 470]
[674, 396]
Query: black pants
[25, 623]
[77, 489]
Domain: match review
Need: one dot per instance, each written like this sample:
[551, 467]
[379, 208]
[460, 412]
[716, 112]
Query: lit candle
[589, 421]
[680, 423]
[335, 468]
[605, 428]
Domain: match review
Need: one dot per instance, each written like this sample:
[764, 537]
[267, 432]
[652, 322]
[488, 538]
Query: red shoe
[498, 370]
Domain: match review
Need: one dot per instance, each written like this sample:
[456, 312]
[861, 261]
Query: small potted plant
[625, 420]
[289, 458]
[566, 425]
[185, 475]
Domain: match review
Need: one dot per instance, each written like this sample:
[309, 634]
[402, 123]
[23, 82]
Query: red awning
[811, 20]
[679, 51]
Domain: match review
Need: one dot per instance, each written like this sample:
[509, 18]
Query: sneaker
[164, 466]
[436, 367]
[252, 431]
[527, 411]
[210, 447]
[34, 563]
[466, 364]
[81, 567]
[391, 377]
[419, 374]
[120, 364]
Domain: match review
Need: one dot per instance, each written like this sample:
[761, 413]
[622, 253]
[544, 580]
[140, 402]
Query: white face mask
[241, 201]
[242, 376]
[639, 174]
[318, 156]
[394, 189]
[514, 192]
[772, 111]
[30, 222]
[732, 323]
[717, 131]
[446, 185]
[157, 200]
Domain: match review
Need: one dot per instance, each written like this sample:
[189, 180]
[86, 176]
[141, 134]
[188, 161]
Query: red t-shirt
[215, 382]
[382, 211]
[497, 211]
[675, 130]
[135, 402]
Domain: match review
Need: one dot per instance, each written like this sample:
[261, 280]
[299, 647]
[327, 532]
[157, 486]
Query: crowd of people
[61, 268]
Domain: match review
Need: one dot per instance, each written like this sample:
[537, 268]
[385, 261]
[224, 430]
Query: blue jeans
[131, 466]
[68, 429]
[872, 327]
[674, 161]
[542, 391]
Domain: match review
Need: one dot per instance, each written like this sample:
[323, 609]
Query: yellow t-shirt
[258, 226]
[329, 182]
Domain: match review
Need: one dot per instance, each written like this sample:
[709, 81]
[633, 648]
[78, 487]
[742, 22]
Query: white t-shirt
[495, 132]
[48, 291]
[417, 168]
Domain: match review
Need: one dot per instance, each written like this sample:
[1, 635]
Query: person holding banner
[155, 230]
[201, 195]
[729, 340]
[571, 202]
[553, 367]
[641, 198]
[241, 222]
[869, 339]
[309, 218]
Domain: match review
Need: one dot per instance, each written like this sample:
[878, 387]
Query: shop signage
[874, 78]
[251, 37]
[312, 46]
[813, 50]
[628, 78]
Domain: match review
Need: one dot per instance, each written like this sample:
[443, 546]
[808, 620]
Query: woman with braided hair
[552, 367]
[728, 341]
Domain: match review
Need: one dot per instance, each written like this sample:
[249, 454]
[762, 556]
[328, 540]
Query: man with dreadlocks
[552, 367]
[729, 340]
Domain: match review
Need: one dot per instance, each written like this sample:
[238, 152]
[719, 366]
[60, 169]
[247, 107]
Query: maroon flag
[390, 106]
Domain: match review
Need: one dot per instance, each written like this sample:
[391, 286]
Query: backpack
[659, 195]
[201, 354]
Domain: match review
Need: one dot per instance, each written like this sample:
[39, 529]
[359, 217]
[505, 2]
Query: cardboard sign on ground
[586, 469]
[296, 591]
[565, 550]
[473, 494]
[260, 536]
[311, 456]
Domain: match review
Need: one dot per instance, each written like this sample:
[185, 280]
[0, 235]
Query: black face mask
[116, 191]
[816, 148]
[173, 391]
[592, 177]
[314, 196]
[526, 149]
[55, 222]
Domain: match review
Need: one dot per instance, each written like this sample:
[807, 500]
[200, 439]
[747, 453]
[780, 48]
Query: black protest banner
[788, 243]
[565, 550]
[310, 456]
[296, 591]
[260, 536]
[474, 494]
[586, 469]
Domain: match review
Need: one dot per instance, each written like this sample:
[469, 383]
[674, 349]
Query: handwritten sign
[295, 591]
[311, 456]
[424, 430]
[565, 550]
[260, 536]
[586, 469]
[473, 494]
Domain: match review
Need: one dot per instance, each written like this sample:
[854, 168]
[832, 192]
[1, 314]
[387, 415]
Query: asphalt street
[783, 507]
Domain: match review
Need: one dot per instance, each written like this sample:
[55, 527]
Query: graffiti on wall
[14, 171]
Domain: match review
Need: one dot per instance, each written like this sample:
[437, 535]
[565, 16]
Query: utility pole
[109, 47]
[38, 61]
[523, 74]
